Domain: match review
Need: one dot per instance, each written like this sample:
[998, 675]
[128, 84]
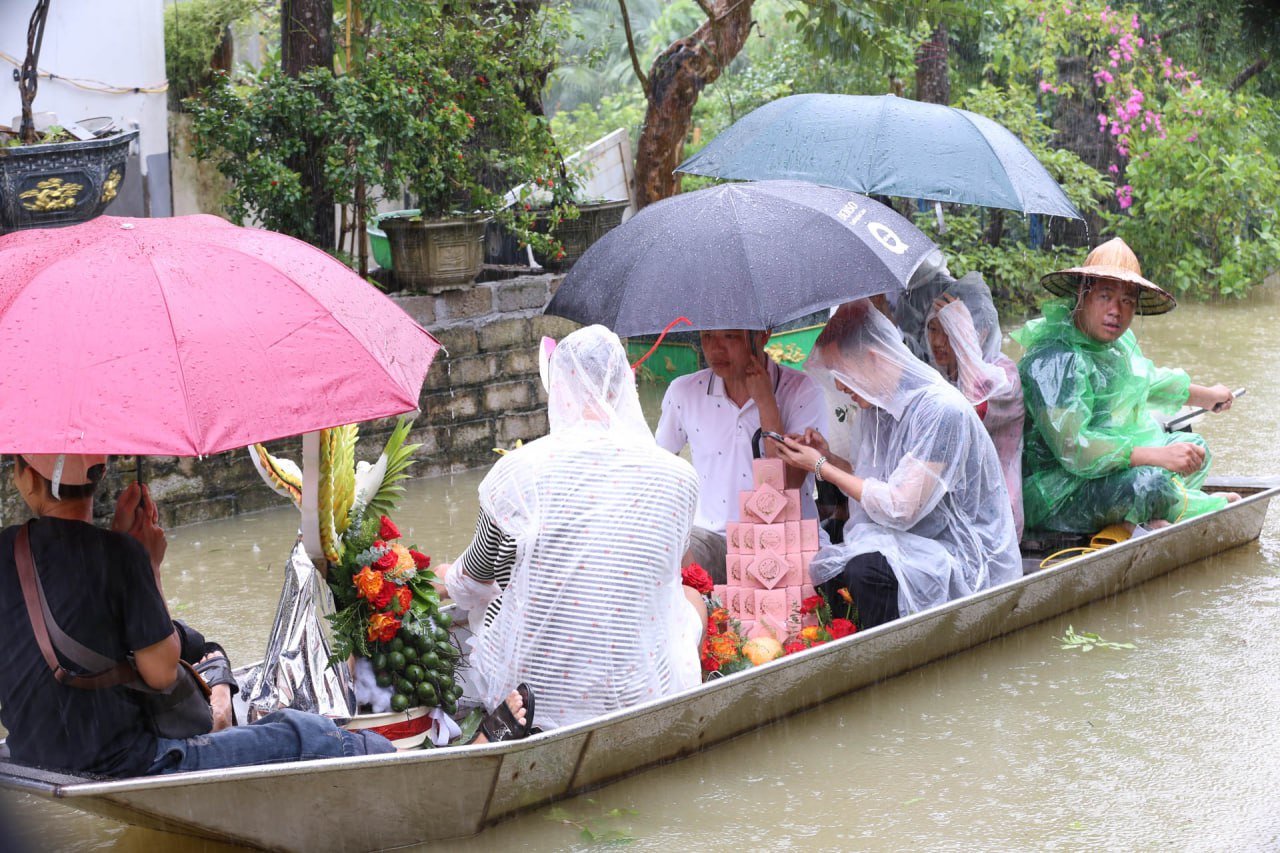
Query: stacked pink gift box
[769, 549]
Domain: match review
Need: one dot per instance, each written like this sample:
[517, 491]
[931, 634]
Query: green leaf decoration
[399, 458]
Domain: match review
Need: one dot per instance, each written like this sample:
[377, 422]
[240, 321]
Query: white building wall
[100, 44]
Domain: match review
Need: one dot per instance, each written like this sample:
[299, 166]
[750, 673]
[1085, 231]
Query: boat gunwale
[42, 782]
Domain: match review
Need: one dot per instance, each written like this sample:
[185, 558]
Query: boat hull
[431, 795]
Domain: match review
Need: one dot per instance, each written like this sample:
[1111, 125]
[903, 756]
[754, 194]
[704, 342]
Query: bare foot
[1157, 523]
[515, 704]
[1231, 497]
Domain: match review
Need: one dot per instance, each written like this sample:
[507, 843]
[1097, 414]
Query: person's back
[99, 589]
[591, 616]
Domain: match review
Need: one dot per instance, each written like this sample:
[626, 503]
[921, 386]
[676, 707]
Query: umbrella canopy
[188, 336]
[741, 256]
[886, 145]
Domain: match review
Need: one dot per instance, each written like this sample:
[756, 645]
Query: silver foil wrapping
[295, 671]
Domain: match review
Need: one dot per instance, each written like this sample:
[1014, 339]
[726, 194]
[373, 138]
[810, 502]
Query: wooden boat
[430, 795]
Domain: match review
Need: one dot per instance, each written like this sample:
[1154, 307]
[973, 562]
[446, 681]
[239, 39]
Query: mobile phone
[775, 436]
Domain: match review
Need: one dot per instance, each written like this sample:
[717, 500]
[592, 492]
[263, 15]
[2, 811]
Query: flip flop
[502, 725]
[216, 670]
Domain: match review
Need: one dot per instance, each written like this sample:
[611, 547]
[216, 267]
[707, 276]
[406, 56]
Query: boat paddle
[1182, 420]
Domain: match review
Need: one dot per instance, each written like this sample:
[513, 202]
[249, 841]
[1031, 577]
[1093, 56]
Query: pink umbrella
[189, 336]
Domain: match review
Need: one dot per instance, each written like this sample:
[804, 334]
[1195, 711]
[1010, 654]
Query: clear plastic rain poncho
[986, 376]
[1089, 404]
[911, 310]
[934, 503]
[594, 617]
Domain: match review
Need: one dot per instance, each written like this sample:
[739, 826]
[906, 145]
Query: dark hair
[96, 473]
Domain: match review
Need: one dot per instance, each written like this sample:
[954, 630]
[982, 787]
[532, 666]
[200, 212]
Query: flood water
[1016, 744]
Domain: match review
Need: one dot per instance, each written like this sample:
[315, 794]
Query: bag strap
[46, 630]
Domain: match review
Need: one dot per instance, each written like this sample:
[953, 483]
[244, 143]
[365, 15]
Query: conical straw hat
[1112, 261]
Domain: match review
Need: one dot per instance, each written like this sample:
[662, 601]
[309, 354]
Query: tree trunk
[676, 80]
[1249, 73]
[1075, 127]
[933, 79]
[306, 41]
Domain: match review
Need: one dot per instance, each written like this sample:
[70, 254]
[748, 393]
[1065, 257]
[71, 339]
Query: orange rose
[383, 627]
[368, 583]
[810, 633]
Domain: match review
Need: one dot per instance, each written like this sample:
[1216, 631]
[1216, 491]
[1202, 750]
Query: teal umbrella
[884, 145]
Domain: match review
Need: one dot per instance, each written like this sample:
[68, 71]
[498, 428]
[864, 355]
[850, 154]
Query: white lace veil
[594, 616]
[934, 502]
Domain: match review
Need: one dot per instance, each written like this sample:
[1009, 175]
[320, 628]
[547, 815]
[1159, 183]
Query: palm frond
[399, 457]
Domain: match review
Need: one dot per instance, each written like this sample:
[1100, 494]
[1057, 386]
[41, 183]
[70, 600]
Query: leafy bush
[1012, 269]
[1205, 198]
[438, 108]
[192, 32]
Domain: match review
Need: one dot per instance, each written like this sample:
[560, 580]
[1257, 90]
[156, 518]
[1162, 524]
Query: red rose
[841, 628]
[810, 604]
[404, 597]
[710, 664]
[420, 560]
[388, 529]
[386, 562]
[695, 576]
[383, 596]
[793, 647]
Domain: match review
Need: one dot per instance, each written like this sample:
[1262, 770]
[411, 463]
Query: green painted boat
[789, 347]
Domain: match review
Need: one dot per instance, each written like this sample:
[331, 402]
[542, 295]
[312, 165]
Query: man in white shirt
[719, 412]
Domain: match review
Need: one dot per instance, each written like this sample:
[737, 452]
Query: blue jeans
[285, 735]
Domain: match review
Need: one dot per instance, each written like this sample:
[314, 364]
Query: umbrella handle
[653, 348]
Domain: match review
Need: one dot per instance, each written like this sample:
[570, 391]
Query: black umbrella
[885, 145]
[741, 256]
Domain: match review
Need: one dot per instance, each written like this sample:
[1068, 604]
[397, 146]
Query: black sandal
[502, 725]
[217, 670]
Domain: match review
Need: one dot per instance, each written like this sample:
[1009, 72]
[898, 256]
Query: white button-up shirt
[695, 411]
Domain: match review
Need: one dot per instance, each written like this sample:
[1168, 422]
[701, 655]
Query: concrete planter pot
[44, 186]
[577, 235]
[433, 256]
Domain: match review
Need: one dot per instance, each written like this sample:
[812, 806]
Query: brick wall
[482, 392]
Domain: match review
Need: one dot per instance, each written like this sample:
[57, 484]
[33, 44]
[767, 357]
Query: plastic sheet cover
[594, 617]
[1089, 404]
[986, 376]
[295, 671]
[934, 501]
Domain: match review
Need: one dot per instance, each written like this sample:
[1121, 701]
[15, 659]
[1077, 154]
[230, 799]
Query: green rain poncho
[1089, 404]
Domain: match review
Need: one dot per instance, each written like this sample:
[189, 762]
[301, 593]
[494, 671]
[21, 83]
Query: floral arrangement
[827, 629]
[726, 651]
[722, 649]
[389, 612]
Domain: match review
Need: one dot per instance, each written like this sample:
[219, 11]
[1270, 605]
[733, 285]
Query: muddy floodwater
[1017, 744]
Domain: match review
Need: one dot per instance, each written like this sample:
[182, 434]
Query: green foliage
[1088, 641]
[595, 829]
[1012, 269]
[1015, 108]
[1196, 169]
[438, 108]
[586, 123]
[1206, 197]
[399, 457]
[193, 30]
